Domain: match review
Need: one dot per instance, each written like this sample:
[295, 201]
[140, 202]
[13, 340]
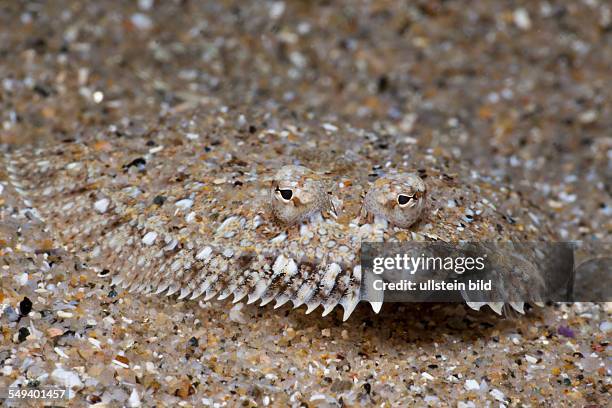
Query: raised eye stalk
[399, 198]
[297, 193]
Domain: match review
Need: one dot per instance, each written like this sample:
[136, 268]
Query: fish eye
[285, 194]
[399, 198]
[403, 199]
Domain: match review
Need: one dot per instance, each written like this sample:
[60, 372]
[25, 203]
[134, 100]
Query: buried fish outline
[187, 219]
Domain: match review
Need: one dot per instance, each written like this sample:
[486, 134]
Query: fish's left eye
[403, 199]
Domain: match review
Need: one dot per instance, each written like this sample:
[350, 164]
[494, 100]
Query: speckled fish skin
[191, 217]
[383, 199]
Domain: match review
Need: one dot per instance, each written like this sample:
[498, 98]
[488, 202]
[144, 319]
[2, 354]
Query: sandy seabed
[519, 90]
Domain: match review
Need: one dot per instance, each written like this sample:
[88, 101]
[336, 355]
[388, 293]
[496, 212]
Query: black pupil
[286, 194]
[403, 199]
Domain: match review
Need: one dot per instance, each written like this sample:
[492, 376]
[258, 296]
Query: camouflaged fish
[267, 216]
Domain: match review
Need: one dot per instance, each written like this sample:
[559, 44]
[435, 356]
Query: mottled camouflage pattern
[193, 217]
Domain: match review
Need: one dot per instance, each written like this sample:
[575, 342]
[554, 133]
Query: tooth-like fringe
[349, 305]
[235, 281]
[376, 306]
[174, 287]
[267, 299]
[185, 291]
[297, 281]
[188, 275]
[153, 277]
[280, 280]
[259, 287]
[351, 298]
[142, 288]
[170, 273]
[518, 306]
[308, 288]
[134, 288]
[496, 307]
[281, 265]
[331, 301]
[239, 294]
[128, 275]
[305, 292]
[311, 306]
[156, 278]
[162, 280]
[211, 292]
[161, 287]
[326, 285]
[244, 285]
[216, 283]
[540, 304]
[476, 305]
[281, 300]
[208, 274]
[198, 282]
[146, 288]
[223, 295]
[197, 292]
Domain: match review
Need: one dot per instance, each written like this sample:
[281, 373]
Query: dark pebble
[139, 162]
[159, 200]
[23, 334]
[25, 306]
[367, 387]
[42, 91]
[383, 83]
